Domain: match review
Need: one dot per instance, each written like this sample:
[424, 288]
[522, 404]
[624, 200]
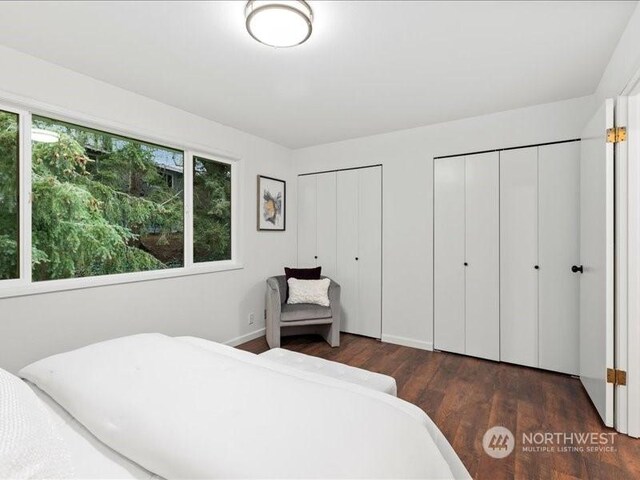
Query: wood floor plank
[465, 396]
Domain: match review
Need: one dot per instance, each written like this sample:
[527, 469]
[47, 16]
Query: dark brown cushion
[301, 274]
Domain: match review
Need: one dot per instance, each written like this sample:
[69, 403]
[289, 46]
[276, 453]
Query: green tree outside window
[105, 204]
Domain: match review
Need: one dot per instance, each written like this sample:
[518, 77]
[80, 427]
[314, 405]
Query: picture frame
[272, 204]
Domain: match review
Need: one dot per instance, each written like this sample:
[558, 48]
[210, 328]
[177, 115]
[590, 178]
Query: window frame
[24, 285]
[234, 208]
[22, 195]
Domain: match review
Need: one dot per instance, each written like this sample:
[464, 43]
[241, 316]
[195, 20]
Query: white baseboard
[234, 342]
[407, 342]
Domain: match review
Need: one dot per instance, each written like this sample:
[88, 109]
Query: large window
[211, 210]
[9, 188]
[103, 208]
[103, 204]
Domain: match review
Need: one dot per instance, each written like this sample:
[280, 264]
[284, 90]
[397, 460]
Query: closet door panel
[449, 251]
[518, 256]
[326, 209]
[482, 287]
[307, 221]
[347, 248]
[559, 218]
[370, 252]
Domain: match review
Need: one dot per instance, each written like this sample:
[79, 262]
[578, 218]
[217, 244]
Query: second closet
[506, 253]
[340, 229]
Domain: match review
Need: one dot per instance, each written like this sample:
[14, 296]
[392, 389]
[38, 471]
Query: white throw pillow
[30, 444]
[309, 291]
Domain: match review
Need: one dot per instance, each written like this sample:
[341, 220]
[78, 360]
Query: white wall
[624, 62]
[215, 305]
[407, 159]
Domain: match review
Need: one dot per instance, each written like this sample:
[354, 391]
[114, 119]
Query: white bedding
[458, 469]
[30, 444]
[91, 459]
[188, 408]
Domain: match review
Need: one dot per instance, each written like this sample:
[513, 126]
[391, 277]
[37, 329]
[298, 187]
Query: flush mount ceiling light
[44, 136]
[279, 23]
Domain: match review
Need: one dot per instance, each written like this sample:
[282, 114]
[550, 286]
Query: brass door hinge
[616, 134]
[617, 377]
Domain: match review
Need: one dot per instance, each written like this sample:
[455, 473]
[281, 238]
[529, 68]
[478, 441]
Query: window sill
[15, 288]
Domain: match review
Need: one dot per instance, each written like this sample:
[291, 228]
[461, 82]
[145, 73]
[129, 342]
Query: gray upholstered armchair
[284, 319]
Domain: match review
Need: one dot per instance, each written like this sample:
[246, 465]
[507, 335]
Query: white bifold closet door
[326, 231]
[482, 246]
[539, 245]
[449, 254]
[307, 221]
[370, 252]
[317, 222]
[466, 256]
[519, 256]
[348, 275]
[359, 249]
[558, 251]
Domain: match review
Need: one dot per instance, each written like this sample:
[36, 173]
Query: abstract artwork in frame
[272, 196]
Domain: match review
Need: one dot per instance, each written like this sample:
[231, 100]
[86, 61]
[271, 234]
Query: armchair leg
[332, 335]
[273, 336]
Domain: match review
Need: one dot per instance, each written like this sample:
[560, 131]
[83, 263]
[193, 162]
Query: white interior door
[482, 285]
[326, 199]
[347, 248]
[307, 221]
[632, 157]
[369, 256]
[519, 256]
[559, 251]
[596, 257]
[449, 254]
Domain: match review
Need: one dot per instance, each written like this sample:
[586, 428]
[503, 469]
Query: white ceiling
[369, 67]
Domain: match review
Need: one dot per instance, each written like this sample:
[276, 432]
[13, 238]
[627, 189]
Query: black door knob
[466, 264]
[537, 267]
[316, 257]
[356, 258]
[576, 269]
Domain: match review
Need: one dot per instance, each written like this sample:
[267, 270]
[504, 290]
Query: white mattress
[94, 459]
[455, 464]
[90, 458]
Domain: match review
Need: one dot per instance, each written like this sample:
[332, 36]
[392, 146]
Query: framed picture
[272, 201]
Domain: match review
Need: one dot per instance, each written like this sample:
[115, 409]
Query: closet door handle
[576, 269]
[537, 267]
[316, 257]
[466, 264]
[356, 259]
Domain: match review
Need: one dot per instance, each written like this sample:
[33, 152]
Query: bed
[152, 406]
[90, 458]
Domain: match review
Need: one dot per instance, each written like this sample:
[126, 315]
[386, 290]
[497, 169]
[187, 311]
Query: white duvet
[182, 410]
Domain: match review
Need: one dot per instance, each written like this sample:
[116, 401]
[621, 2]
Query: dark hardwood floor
[465, 396]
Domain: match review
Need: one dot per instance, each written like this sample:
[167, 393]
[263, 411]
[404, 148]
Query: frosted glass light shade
[279, 23]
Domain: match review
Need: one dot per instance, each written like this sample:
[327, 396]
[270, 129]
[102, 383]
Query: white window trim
[22, 195]
[25, 286]
[235, 203]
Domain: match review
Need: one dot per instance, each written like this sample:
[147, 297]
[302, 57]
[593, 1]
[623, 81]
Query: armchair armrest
[334, 299]
[273, 305]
